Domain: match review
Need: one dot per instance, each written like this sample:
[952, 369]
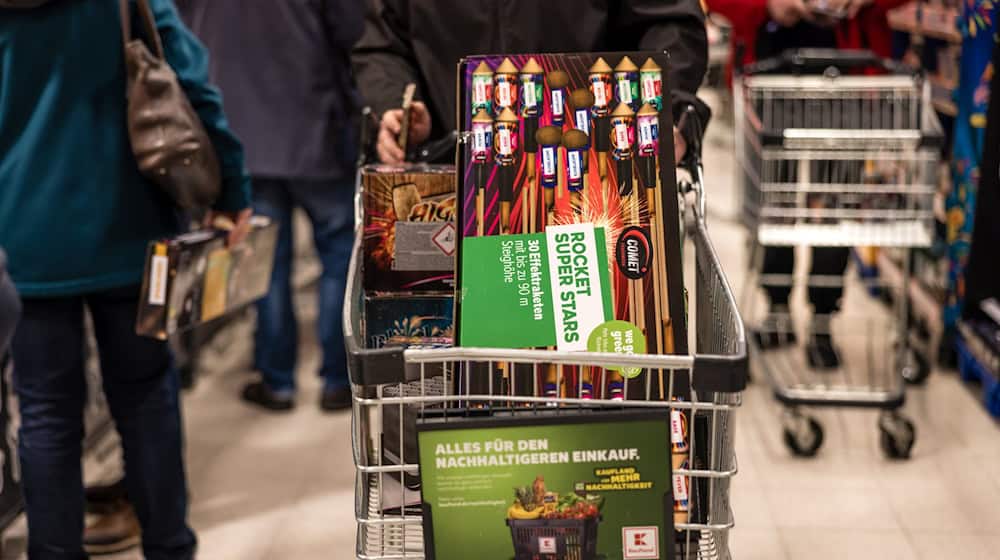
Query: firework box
[596, 486]
[195, 278]
[407, 317]
[410, 237]
[515, 181]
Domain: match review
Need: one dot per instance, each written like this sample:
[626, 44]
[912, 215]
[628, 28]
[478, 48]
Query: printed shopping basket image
[555, 539]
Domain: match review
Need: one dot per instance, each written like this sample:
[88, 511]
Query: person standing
[421, 42]
[76, 216]
[284, 68]
[764, 29]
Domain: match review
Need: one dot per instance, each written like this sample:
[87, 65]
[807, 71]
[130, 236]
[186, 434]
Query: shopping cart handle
[376, 366]
[690, 125]
[813, 61]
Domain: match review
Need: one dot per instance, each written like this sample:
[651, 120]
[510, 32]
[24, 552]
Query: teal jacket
[75, 214]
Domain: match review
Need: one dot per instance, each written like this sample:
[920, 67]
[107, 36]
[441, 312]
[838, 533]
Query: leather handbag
[168, 139]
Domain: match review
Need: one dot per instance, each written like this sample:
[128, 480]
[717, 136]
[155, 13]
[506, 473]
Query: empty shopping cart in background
[839, 149]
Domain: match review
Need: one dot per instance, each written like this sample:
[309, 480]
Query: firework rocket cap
[581, 98]
[600, 67]
[483, 69]
[549, 136]
[647, 110]
[650, 66]
[532, 67]
[558, 79]
[506, 67]
[575, 139]
[623, 110]
[482, 117]
[626, 65]
[507, 116]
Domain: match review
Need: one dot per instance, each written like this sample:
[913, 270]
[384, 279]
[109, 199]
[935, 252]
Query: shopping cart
[835, 156]
[395, 385]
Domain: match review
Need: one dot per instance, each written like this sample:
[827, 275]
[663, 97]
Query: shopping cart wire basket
[396, 385]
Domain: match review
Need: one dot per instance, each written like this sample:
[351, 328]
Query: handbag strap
[148, 23]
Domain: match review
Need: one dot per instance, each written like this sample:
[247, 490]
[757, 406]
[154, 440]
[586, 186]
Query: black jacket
[284, 69]
[422, 41]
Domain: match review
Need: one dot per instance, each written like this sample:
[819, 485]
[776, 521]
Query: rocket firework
[482, 89]
[482, 145]
[600, 86]
[505, 87]
[532, 98]
[582, 100]
[505, 153]
[558, 81]
[627, 83]
[651, 81]
[648, 132]
[532, 89]
[548, 139]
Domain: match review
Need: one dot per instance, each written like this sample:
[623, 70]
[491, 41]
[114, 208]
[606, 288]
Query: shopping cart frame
[882, 120]
[715, 374]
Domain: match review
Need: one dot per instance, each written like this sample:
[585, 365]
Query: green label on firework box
[542, 289]
[560, 487]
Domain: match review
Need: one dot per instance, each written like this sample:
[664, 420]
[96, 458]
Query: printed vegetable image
[534, 502]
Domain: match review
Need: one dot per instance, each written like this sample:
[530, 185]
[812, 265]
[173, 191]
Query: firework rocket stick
[581, 100]
[532, 98]
[505, 155]
[482, 145]
[622, 139]
[600, 86]
[549, 138]
[505, 152]
[577, 144]
[558, 81]
[647, 125]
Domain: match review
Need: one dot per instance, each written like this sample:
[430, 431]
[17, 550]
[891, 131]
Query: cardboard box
[195, 278]
[410, 237]
[400, 317]
[525, 173]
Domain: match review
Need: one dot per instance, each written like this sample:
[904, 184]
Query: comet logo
[633, 253]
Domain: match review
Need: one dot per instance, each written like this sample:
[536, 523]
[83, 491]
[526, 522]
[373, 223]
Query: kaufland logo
[641, 543]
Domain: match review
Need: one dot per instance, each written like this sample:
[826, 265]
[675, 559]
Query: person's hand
[387, 146]
[788, 12]
[238, 224]
[852, 7]
[680, 146]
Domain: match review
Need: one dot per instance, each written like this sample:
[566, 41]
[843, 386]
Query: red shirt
[869, 29]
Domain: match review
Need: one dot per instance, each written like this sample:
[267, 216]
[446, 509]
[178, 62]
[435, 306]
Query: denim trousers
[330, 208]
[140, 383]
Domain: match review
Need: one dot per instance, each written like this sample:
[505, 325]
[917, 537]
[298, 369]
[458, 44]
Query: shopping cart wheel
[914, 367]
[897, 435]
[803, 434]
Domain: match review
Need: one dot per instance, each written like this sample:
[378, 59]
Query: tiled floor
[281, 487]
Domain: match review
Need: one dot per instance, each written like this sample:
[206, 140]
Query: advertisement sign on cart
[582, 487]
